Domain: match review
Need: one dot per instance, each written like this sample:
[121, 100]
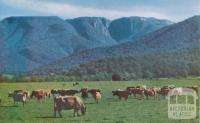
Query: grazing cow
[150, 92]
[39, 94]
[23, 91]
[18, 97]
[84, 93]
[137, 91]
[54, 92]
[121, 94]
[68, 103]
[164, 90]
[75, 83]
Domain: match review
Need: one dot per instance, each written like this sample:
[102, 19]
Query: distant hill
[94, 29]
[28, 42]
[31, 42]
[180, 38]
[131, 28]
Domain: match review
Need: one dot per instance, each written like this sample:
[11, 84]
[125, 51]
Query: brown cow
[137, 91]
[164, 91]
[39, 94]
[67, 92]
[68, 103]
[150, 92]
[84, 93]
[121, 94]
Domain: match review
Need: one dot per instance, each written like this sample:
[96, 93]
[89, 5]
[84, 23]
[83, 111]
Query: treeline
[27, 78]
[179, 64]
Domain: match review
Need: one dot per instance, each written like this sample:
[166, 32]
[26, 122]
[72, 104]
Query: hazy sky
[175, 10]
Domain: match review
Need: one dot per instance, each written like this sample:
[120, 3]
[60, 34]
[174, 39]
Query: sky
[174, 10]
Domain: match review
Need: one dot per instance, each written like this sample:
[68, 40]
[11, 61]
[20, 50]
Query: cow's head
[114, 93]
[33, 94]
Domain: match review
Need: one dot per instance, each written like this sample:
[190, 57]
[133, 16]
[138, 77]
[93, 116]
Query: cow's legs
[76, 112]
[54, 111]
[59, 112]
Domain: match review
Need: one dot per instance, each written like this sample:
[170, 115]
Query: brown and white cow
[150, 93]
[68, 103]
[18, 97]
[22, 91]
[39, 94]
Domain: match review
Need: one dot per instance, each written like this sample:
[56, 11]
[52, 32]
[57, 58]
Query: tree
[116, 77]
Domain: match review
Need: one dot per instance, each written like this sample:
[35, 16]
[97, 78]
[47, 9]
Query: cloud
[66, 10]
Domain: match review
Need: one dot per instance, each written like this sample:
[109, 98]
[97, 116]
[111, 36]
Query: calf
[68, 103]
[96, 93]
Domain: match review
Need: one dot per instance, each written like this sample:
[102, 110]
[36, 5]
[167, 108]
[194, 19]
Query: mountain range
[177, 43]
[32, 42]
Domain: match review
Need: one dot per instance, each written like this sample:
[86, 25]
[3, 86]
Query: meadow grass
[109, 110]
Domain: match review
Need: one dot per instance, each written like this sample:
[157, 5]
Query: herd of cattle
[66, 99]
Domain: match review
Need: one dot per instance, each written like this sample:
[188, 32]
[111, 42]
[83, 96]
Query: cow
[39, 94]
[84, 93]
[96, 93]
[63, 92]
[23, 91]
[97, 96]
[18, 97]
[68, 103]
[75, 83]
[121, 94]
[54, 92]
[163, 91]
[137, 91]
[150, 92]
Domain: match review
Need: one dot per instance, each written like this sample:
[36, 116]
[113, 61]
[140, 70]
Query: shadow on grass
[9, 106]
[89, 103]
[46, 117]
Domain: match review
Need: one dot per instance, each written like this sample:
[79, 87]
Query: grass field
[109, 110]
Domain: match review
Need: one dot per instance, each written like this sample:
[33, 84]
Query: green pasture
[109, 110]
